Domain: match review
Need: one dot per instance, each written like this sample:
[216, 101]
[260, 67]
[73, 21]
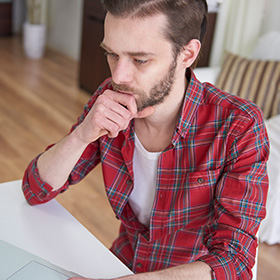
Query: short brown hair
[187, 19]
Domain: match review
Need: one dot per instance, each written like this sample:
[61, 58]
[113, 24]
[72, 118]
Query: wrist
[77, 138]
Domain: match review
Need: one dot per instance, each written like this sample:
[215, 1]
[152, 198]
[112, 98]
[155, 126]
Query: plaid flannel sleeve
[240, 201]
[36, 191]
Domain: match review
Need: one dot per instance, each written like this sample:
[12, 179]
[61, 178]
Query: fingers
[126, 100]
[121, 108]
[111, 113]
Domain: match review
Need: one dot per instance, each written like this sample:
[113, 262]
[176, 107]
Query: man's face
[141, 60]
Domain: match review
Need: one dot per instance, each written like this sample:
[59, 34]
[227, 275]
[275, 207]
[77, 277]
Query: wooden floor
[39, 101]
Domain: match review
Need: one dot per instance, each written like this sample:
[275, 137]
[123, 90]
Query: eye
[109, 54]
[141, 61]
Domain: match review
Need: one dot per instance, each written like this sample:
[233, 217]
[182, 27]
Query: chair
[267, 48]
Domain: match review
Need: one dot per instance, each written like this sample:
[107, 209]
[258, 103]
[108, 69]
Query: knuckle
[114, 129]
[102, 99]
[124, 123]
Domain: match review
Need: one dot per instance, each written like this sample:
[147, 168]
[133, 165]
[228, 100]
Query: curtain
[238, 27]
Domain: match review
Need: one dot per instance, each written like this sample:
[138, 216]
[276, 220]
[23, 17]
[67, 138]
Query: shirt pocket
[192, 201]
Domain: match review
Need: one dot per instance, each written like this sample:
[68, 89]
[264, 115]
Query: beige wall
[65, 26]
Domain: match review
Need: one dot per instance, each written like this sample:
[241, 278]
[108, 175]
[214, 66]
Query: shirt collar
[192, 100]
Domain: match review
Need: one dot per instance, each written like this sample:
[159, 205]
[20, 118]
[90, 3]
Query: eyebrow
[134, 54]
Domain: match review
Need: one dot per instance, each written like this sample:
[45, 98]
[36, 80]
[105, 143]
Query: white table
[52, 233]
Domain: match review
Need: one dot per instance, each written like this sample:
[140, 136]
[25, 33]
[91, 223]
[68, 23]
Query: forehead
[127, 34]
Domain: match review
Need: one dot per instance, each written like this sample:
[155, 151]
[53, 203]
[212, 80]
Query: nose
[122, 72]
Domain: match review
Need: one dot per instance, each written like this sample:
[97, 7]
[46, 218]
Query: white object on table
[52, 233]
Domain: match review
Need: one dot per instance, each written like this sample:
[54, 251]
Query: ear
[189, 53]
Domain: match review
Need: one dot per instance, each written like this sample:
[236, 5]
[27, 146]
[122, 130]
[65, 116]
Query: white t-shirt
[145, 178]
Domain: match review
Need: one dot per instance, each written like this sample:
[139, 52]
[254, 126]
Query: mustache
[124, 88]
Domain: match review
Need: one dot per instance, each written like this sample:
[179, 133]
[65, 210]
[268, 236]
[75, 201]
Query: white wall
[271, 18]
[65, 26]
[212, 5]
[240, 23]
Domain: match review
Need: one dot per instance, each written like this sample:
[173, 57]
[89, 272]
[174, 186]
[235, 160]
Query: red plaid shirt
[211, 186]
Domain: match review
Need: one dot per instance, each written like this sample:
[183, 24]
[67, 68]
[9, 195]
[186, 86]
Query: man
[184, 163]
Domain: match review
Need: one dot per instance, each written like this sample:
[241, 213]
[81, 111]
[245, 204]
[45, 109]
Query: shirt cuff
[34, 189]
[223, 266]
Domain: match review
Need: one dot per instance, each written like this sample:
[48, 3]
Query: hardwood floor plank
[39, 101]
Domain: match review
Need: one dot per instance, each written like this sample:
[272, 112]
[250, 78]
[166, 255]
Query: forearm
[193, 271]
[111, 113]
[56, 164]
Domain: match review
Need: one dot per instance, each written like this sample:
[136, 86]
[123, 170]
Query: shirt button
[200, 180]
[139, 265]
[129, 182]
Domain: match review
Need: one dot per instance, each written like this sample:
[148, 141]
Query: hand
[110, 114]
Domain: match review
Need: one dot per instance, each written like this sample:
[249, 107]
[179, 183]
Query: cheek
[111, 63]
[156, 74]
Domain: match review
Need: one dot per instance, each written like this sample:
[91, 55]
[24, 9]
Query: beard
[158, 92]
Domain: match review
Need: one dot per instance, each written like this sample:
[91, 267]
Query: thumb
[146, 112]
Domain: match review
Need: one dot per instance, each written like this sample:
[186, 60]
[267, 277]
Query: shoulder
[107, 84]
[100, 90]
[213, 100]
[233, 104]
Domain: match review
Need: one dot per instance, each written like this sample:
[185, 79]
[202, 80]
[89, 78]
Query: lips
[122, 89]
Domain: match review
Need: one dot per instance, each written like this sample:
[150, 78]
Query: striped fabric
[255, 80]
